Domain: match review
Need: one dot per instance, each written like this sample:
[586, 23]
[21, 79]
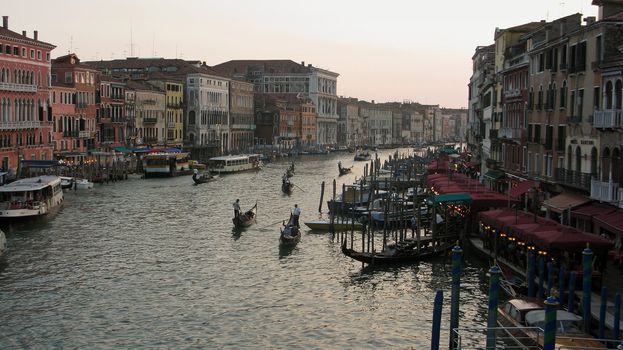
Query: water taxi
[30, 197]
[234, 164]
[159, 164]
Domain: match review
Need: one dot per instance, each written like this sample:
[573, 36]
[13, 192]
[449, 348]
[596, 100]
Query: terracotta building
[25, 118]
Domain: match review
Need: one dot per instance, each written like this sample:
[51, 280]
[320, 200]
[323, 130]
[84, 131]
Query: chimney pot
[303, 63]
[23, 32]
[36, 35]
[5, 22]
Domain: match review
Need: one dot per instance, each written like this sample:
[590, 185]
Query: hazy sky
[388, 50]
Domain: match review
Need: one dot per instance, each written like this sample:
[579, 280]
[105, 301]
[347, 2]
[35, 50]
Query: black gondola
[344, 171]
[203, 178]
[404, 252]
[246, 219]
[290, 234]
[286, 185]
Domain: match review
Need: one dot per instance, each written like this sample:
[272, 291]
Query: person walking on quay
[236, 208]
[296, 213]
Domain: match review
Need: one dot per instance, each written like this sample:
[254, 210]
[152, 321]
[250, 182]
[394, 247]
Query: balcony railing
[70, 133]
[171, 125]
[512, 93]
[20, 125]
[242, 127]
[608, 119]
[574, 119]
[573, 178]
[150, 120]
[604, 191]
[510, 133]
[84, 134]
[81, 105]
[18, 87]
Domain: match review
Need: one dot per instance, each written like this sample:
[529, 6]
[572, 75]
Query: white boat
[234, 164]
[34, 196]
[67, 182]
[84, 184]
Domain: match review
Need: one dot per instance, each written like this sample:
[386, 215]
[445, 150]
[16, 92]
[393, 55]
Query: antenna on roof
[131, 42]
[71, 43]
[153, 45]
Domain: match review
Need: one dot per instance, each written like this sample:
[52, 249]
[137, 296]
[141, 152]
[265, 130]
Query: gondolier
[296, 213]
[236, 208]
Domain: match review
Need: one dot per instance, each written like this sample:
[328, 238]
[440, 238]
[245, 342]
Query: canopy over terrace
[482, 197]
[546, 234]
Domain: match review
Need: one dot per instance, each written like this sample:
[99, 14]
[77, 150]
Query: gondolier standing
[236, 208]
[296, 213]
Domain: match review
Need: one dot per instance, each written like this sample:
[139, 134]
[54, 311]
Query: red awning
[586, 212]
[521, 188]
[569, 238]
[471, 164]
[612, 222]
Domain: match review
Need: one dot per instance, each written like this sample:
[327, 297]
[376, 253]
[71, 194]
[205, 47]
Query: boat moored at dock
[166, 163]
[30, 197]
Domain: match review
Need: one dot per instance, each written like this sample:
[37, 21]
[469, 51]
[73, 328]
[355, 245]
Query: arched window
[608, 96]
[594, 159]
[617, 91]
[617, 166]
[605, 164]
[563, 94]
[191, 118]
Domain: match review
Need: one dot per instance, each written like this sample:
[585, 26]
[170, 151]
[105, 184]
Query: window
[15, 51]
[32, 54]
[23, 52]
[580, 102]
[68, 77]
[596, 98]
[1, 52]
[598, 49]
[39, 55]
[47, 56]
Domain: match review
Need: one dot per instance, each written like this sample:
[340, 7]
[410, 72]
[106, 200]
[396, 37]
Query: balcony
[573, 178]
[574, 119]
[171, 125]
[149, 102]
[242, 127]
[84, 134]
[32, 124]
[70, 133]
[18, 87]
[604, 191]
[81, 105]
[608, 119]
[510, 133]
[150, 120]
[512, 93]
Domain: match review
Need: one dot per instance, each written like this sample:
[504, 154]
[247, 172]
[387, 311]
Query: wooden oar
[269, 225]
[298, 187]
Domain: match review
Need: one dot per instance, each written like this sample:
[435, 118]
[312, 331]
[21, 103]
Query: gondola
[286, 185]
[344, 171]
[290, 234]
[203, 178]
[246, 219]
[401, 253]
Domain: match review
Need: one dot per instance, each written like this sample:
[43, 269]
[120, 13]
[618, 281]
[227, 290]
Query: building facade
[241, 112]
[25, 116]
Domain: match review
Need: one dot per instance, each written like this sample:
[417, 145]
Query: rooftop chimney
[23, 32]
[303, 63]
[5, 22]
[36, 35]
[589, 20]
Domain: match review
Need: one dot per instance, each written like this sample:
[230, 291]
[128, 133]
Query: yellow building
[174, 112]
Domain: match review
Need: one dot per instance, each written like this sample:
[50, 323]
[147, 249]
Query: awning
[453, 197]
[471, 164]
[569, 238]
[586, 212]
[565, 201]
[495, 174]
[521, 188]
[612, 222]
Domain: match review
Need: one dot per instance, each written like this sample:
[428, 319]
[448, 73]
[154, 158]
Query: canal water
[154, 263]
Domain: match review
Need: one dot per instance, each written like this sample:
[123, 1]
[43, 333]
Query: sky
[392, 50]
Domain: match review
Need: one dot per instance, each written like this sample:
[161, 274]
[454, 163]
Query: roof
[237, 157]
[30, 184]
[150, 66]
[564, 201]
[141, 85]
[527, 304]
[586, 212]
[522, 28]
[521, 188]
[452, 197]
[537, 316]
[6, 33]
[495, 174]
[612, 222]
[238, 67]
